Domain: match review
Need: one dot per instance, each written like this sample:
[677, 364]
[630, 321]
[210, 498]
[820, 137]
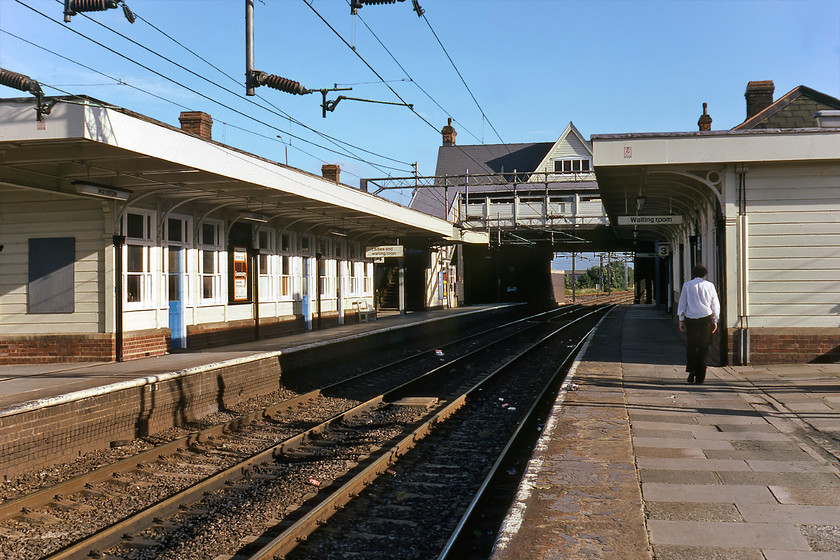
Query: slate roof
[477, 159]
[794, 109]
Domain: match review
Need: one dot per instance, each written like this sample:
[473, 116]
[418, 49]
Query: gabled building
[532, 198]
[520, 192]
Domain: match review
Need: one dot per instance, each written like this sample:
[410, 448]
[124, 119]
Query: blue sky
[532, 65]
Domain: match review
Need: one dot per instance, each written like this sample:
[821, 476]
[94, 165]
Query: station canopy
[85, 147]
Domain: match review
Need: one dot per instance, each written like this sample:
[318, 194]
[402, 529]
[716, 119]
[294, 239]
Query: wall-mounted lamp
[640, 202]
[252, 217]
[101, 191]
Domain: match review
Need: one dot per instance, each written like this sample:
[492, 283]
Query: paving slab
[742, 467]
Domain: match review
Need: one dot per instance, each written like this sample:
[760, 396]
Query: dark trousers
[699, 335]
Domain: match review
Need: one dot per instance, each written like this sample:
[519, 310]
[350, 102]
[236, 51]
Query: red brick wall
[48, 436]
[787, 346]
[98, 347]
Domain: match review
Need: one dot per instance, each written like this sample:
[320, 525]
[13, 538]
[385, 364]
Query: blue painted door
[305, 293]
[177, 325]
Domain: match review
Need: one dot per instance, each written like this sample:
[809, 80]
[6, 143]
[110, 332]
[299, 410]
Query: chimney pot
[449, 134]
[705, 122]
[331, 171]
[759, 96]
[198, 123]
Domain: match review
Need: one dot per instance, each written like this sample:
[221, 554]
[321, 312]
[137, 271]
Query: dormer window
[572, 165]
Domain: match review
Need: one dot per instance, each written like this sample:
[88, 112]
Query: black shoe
[690, 378]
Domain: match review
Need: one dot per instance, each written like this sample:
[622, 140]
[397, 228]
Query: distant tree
[613, 277]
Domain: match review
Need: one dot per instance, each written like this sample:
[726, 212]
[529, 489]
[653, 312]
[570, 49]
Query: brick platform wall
[788, 346]
[33, 349]
[60, 433]
[98, 347]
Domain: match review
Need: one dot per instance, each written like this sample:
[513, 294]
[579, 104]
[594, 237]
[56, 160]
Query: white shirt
[698, 299]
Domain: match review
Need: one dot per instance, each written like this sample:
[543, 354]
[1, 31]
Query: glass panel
[175, 229]
[208, 234]
[174, 285]
[135, 258]
[134, 226]
[173, 261]
[285, 242]
[207, 287]
[208, 262]
[132, 288]
[263, 264]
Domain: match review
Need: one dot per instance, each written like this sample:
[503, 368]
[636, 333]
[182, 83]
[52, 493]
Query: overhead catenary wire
[279, 111]
[366, 63]
[483, 114]
[121, 82]
[411, 79]
[202, 95]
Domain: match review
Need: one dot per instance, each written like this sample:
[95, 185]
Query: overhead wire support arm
[330, 105]
[25, 83]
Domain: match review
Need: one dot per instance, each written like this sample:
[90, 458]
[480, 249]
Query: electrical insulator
[356, 4]
[19, 81]
[72, 7]
[92, 5]
[283, 84]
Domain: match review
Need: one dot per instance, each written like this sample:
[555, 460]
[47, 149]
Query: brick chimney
[449, 134]
[705, 122]
[331, 172]
[197, 122]
[759, 96]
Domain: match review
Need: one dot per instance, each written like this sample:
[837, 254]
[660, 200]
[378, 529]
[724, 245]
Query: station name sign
[384, 251]
[649, 220]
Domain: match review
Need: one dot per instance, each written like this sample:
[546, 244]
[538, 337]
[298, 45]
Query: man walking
[698, 310]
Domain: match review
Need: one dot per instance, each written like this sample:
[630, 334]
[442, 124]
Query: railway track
[158, 502]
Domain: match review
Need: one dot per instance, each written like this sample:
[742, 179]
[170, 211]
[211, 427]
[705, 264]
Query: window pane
[174, 265]
[207, 287]
[208, 262]
[576, 165]
[175, 229]
[567, 166]
[285, 242]
[263, 239]
[134, 226]
[208, 234]
[263, 264]
[585, 165]
[132, 288]
[174, 285]
[135, 258]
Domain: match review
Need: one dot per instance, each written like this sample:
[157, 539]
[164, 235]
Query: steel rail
[111, 535]
[529, 416]
[44, 496]
[302, 528]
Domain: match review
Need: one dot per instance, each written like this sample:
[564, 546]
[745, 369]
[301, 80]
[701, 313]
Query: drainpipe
[743, 269]
[119, 242]
[318, 257]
